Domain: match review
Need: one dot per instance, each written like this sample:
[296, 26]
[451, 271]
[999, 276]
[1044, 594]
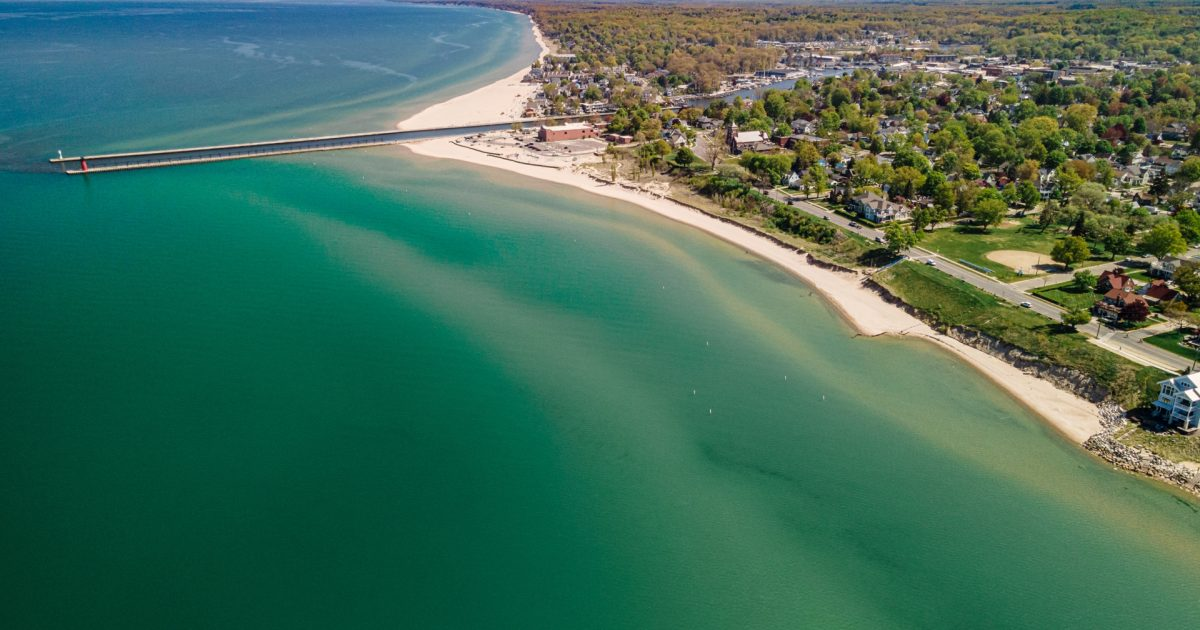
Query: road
[1127, 344]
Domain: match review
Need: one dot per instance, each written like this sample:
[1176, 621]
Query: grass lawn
[1169, 341]
[955, 303]
[1067, 296]
[971, 244]
[1169, 444]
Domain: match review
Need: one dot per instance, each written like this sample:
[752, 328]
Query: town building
[1179, 402]
[569, 131]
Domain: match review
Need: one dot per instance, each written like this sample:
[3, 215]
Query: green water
[371, 390]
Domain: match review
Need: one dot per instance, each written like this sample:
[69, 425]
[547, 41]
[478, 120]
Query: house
[1158, 291]
[791, 141]
[676, 138]
[569, 131]
[1177, 402]
[740, 141]
[1109, 308]
[792, 180]
[1175, 131]
[1113, 279]
[876, 209]
[1166, 267]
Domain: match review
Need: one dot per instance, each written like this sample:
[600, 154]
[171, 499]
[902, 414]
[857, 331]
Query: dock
[108, 162]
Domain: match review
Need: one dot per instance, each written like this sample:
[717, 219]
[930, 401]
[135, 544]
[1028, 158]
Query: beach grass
[952, 302]
[1174, 446]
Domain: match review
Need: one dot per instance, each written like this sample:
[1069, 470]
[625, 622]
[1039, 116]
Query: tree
[906, 181]
[1116, 243]
[1187, 278]
[1176, 311]
[1163, 240]
[1190, 170]
[1028, 194]
[899, 237]
[989, 211]
[1189, 224]
[923, 216]
[1076, 317]
[1070, 250]
[1048, 215]
[1080, 117]
[815, 179]
[1160, 185]
[1134, 311]
[807, 155]
[1084, 280]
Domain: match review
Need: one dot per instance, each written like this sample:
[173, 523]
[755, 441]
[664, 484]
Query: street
[1127, 344]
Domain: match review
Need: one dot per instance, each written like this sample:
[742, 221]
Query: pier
[107, 162]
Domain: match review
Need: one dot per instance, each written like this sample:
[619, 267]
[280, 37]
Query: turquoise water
[363, 389]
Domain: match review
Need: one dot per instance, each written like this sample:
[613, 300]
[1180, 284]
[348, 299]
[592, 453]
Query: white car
[1026, 305]
[931, 262]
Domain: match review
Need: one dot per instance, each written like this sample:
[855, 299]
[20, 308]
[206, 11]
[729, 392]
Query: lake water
[365, 389]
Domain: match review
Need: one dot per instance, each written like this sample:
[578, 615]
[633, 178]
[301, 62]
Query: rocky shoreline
[1138, 460]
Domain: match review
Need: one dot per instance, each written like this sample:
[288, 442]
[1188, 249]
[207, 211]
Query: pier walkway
[101, 163]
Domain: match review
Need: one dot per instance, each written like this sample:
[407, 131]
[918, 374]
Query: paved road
[1126, 344]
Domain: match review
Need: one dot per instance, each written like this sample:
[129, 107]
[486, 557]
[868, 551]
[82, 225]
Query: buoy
[822, 396]
[710, 412]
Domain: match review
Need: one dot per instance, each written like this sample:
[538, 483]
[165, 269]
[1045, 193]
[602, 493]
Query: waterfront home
[1113, 279]
[876, 209]
[1179, 402]
[1109, 308]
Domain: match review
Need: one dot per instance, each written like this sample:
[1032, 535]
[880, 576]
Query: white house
[1166, 267]
[1179, 401]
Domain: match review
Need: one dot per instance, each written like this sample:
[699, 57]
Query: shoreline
[508, 94]
[862, 309]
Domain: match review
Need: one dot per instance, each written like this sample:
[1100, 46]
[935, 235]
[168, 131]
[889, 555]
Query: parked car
[1026, 305]
[854, 225]
[878, 239]
[931, 262]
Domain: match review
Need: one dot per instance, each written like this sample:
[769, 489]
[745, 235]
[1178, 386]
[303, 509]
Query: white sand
[501, 101]
[866, 311]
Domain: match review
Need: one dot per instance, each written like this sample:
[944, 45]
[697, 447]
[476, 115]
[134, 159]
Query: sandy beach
[866, 311]
[502, 100]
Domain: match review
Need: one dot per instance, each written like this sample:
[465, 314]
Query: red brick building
[569, 131]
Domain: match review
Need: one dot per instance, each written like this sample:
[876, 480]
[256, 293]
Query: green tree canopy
[1070, 250]
[1163, 240]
